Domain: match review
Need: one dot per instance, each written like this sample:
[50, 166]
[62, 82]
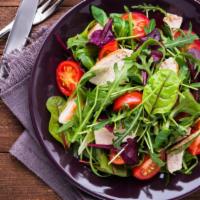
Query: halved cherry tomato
[194, 148]
[108, 48]
[140, 21]
[118, 161]
[68, 75]
[131, 99]
[194, 45]
[146, 170]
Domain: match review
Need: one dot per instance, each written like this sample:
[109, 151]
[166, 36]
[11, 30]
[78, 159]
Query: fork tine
[53, 8]
[46, 4]
[41, 2]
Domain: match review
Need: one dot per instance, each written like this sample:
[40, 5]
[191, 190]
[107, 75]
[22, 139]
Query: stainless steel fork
[45, 10]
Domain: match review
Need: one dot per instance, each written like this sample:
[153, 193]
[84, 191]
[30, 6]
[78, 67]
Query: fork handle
[6, 29]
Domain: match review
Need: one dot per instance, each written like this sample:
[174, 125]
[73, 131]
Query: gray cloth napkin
[14, 93]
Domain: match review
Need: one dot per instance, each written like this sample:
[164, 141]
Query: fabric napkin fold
[14, 93]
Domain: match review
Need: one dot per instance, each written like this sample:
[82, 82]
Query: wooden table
[16, 181]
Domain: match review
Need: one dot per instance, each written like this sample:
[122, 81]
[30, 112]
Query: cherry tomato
[131, 99]
[108, 48]
[146, 170]
[68, 75]
[194, 148]
[140, 21]
[118, 161]
[194, 45]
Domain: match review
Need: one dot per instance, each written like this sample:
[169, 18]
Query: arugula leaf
[54, 105]
[99, 15]
[161, 139]
[149, 7]
[183, 73]
[163, 87]
[190, 162]
[151, 26]
[78, 44]
[156, 158]
[86, 55]
[88, 139]
[120, 26]
[119, 77]
[196, 85]
[180, 41]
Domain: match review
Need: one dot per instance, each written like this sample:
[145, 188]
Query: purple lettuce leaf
[144, 77]
[156, 55]
[130, 153]
[155, 34]
[102, 37]
[101, 146]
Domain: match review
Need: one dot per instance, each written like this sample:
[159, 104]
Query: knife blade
[21, 29]
[22, 25]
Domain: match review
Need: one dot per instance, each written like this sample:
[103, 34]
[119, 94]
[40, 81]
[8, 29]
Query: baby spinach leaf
[151, 26]
[110, 169]
[120, 26]
[163, 87]
[157, 160]
[99, 15]
[54, 105]
[187, 104]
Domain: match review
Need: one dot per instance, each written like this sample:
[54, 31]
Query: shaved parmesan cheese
[103, 136]
[173, 21]
[174, 161]
[104, 69]
[170, 63]
[68, 112]
[96, 27]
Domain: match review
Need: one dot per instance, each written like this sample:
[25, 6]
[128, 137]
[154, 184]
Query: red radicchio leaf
[130, 153]
[155, 34]
[156, 55]
[102, 37]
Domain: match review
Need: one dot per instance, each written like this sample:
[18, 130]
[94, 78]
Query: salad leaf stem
[149, 7]
[118, 141]
[85, 121]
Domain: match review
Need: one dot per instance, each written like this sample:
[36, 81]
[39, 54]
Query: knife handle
[6, 29]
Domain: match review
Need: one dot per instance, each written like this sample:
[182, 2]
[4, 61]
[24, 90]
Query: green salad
[130, 103]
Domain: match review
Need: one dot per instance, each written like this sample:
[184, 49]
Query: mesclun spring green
[166, 94]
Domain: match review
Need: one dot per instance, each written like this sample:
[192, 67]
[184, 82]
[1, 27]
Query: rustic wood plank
[11, 3]
[10, 128]
[18, 183]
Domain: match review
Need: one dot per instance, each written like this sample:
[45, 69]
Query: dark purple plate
[43, 85]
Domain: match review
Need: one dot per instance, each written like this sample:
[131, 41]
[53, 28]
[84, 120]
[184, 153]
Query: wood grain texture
[16, 181]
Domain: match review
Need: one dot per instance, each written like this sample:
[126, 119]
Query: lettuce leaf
[163, 88]
[55, 105]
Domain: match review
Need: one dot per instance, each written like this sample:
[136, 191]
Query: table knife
[20, 31]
